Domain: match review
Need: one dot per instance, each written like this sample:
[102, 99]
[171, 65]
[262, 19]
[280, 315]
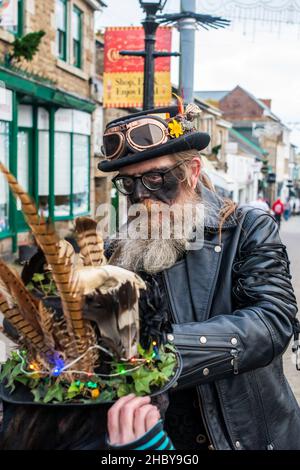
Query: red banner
[123, 75]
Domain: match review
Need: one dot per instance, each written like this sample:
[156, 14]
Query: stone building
[47, 113]
[255, 120]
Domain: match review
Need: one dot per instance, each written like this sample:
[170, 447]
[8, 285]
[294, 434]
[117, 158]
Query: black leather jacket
[234, 309]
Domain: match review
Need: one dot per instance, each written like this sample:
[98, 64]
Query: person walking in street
[229, 300]
[278, 209]
[287, 210]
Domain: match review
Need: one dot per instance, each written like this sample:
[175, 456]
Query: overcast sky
[264, 62]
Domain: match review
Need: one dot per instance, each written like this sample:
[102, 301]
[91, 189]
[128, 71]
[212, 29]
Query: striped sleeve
[155, 439]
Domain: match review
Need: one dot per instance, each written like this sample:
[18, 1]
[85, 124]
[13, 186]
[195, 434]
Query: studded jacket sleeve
[260, 327]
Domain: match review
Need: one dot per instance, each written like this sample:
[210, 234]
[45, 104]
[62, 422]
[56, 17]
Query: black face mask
[167, 194]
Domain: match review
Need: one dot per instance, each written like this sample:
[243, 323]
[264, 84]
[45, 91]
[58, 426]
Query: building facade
[46, 114]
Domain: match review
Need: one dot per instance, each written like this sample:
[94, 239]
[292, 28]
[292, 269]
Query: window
[70, 163]
[15, 13]
[4, 192]
[62, 172]
[76, 36]
[43, 144]
[61, 28]
[80, 173]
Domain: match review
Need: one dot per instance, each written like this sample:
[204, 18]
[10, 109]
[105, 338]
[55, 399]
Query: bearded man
[229, 305]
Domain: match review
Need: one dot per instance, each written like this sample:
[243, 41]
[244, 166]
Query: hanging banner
[124, 75]
[8, 13]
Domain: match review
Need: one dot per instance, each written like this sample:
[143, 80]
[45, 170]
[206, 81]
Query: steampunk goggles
[134, 136]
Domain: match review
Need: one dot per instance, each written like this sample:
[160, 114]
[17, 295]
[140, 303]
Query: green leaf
[38, 277]
[54, 392]
[30, 286]
[6, 369]
[142, 379]
[107, 395]
[73, 390]
[13, 374]
[23, 380]
[36, 392]
[124, 389]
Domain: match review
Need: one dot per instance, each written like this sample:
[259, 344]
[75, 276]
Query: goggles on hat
[135, 136]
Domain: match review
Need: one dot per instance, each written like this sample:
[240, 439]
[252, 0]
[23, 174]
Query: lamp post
[150, 25]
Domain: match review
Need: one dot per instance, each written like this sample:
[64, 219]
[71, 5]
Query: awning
[44, 92]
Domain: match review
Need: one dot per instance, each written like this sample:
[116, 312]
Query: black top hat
[177, 133]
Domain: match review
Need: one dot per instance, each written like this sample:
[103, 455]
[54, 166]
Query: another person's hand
[130, 418]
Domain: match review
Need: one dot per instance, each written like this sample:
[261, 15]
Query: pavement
[290, 235]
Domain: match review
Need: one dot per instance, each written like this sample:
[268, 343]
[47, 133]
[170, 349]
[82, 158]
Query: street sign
[124, 75]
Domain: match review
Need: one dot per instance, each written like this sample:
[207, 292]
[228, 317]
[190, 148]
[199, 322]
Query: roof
[211, 95]
[215, 95]
[244, 142]
[260, 103]
[96, 4]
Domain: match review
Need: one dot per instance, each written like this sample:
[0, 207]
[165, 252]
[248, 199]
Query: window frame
[64, 54]
[71, 214]
[77, 61]
[20, 28]
[8, 232]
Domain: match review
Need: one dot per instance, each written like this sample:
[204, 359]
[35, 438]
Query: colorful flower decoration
[175, 128]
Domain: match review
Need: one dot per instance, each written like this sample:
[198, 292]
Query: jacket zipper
[195, 368]
[235, 353]
[205, 422]
[209, 435]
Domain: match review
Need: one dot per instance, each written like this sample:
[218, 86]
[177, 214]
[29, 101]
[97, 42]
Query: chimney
[267, 102]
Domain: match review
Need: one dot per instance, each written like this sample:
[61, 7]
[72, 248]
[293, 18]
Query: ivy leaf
[38, 277]
[107, 395]
[13, 374]
[23, 380]
[170, 347]
[36, 392]
[54, 392]
[142, 379]
[6, 369]
[124, 389]
[73, 390]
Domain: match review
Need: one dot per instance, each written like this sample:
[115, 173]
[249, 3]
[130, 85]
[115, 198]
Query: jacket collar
[212, 207]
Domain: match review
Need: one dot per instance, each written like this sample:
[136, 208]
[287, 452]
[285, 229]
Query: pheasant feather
[61, 267]
[90, 242]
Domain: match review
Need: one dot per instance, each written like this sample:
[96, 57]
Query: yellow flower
[175, 128]
[95, 393]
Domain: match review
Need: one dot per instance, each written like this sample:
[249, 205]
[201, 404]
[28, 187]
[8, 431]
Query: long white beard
[151, 256]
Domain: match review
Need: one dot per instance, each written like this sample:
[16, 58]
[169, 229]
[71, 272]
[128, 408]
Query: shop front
[45, 142]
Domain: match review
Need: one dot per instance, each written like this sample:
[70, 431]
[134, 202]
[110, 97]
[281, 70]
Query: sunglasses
[136, 136]
[151, 180]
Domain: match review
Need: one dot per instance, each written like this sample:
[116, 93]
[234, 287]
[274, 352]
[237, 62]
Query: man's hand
[130, 418]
